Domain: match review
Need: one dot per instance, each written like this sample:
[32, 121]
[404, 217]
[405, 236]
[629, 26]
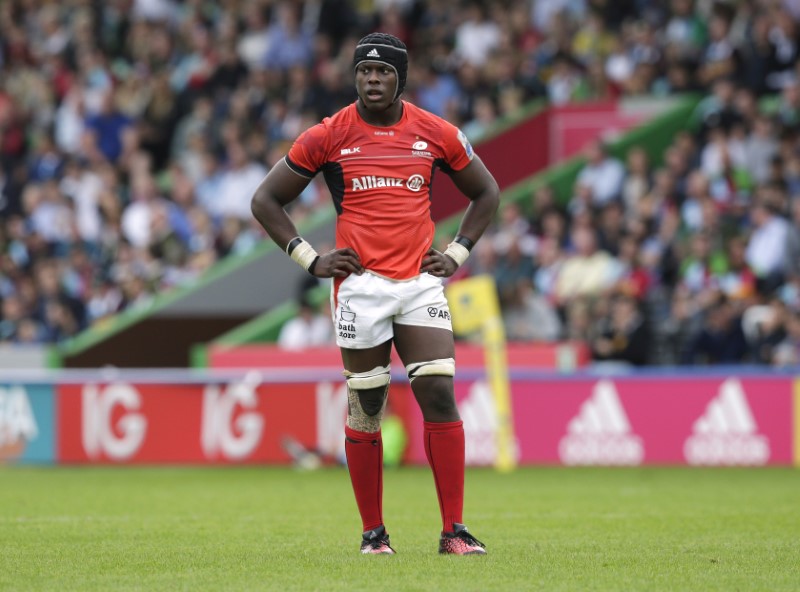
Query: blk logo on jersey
[356, 150]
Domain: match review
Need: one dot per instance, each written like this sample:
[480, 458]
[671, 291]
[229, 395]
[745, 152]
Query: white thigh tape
[443, 367]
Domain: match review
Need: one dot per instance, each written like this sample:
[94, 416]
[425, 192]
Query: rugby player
[378, 156]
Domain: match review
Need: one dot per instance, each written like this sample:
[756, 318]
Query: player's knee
[366, 398]
[436, 398]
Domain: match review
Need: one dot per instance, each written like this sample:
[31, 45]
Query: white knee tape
[378, 376]
[442, 367]
[358, 418]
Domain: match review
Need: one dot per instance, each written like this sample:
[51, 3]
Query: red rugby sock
[365, 462]
[444, 446]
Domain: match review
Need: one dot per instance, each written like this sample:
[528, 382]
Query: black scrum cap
[386, 49]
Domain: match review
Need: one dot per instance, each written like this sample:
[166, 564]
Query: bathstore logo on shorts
[346, 325]
[437, 313]
[726, 433]
[601, 434]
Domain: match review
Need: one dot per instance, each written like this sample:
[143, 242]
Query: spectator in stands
[289, 44]
[586, 272]
[766, 249]
[239, 181]
[477, 35]
[529, 316]
[308, 329]
[107, 127]
[787, 352]
[603, 173]
[721, 59]
[623, 336]
[720, 340]
[549, 259]
[513, 265]
[637, 181]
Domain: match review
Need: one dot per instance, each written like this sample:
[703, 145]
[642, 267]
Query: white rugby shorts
[365, 307]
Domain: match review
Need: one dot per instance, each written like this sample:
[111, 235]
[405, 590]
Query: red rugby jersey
[380, 180]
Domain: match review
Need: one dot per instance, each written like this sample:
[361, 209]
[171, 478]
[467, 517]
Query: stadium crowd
[133, 133]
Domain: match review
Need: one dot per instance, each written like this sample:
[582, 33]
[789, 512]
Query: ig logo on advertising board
[100, 437]
[331, 414]
[221, 434]
[17, 422]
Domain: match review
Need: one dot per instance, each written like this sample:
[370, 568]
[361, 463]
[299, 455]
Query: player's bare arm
[279, 188]
[477, 183]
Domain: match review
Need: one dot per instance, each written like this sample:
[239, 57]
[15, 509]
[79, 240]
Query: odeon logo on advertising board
[112, 428]
[726, 433]
[600, 434]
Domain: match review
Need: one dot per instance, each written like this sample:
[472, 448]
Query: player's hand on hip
[438, 264]
[338, 263]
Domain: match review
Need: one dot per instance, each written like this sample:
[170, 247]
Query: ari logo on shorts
[346, 325]
[434, 312]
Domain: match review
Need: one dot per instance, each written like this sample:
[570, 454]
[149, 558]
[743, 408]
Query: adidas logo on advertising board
[726, 434]
[601, 434]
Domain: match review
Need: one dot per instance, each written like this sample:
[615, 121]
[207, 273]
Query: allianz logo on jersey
[414, 182]
[601, 434]
[726, 433]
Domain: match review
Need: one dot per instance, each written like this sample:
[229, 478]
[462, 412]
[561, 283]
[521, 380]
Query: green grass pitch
[255, 528]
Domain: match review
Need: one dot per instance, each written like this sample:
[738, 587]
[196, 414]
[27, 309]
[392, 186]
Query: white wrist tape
[457, 252]
[304, 254]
